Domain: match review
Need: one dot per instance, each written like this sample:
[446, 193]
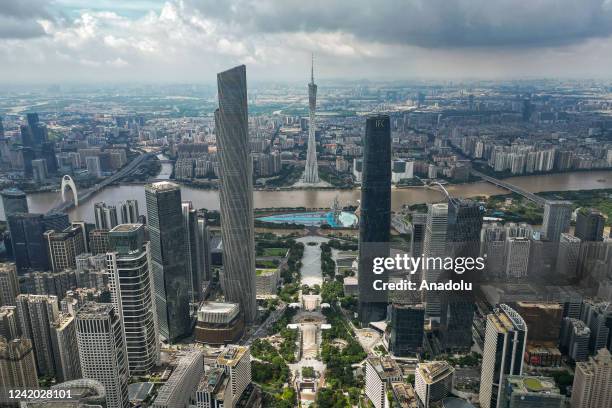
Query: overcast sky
[55, 41]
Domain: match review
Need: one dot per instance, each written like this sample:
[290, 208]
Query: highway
[511, 187]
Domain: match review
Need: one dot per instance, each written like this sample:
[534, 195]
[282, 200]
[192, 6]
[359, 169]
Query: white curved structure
[68, 182]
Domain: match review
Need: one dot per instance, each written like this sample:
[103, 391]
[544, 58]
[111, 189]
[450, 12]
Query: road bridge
[511, 187]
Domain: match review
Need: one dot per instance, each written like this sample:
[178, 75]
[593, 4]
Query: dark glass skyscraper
[407, 322]
[14, 201]
[168, 258]
[463, 241]
[236, 191]
[375, 219]
[589, 225]
[28, 241]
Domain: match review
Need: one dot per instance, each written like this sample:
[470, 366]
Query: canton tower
[311, 172]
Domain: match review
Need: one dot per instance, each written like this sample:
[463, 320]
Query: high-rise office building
[236, 192]
[375, 219]
[517, 257]
[433, 381]
[493, 247]
[180, 389]
[204, 237]
[557, 217]
[102, 350]
[592, 382]
[172, 281]
[568, 256]
[63, 248]
[14, 201]
[527, 392]
[105, 216]
[94, 167]
[504, 348]
[434, 246]
[419, 223]
[9, 327]
[17, 365]
[27, 238]
[56, 221]
[407, 322]
[598, 317]
[35, 314]
[589, 225]
[129, 212]
[463, 241]
[39, 170]
[65, 349]
[574, 339]
[193, 249]
[543, 321]
[311, 171]
[236, 361]
[131, 286]
[9, 285]
[98, 241]
[380, 372]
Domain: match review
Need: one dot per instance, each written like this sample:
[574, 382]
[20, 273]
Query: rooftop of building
[527, 384]
[385, 367]
[93, 310]
[162, 186]
[540, 305]
[126, 228]
[212, 381]
[404, 395]
[13, 192]
[218, 307]
[231, 355]
[434, 371]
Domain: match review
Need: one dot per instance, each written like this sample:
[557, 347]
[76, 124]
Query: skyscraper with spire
[311, 172]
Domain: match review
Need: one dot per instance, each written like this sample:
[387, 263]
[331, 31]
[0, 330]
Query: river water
[113, 195]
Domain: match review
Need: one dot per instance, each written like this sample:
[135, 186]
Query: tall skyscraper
[105, 216]
[28, 241]
[236, 191]
[193, 248]
[236, 361]
[183, 382]
[9, 285]
[433, 381]
[14, 201]
[58, 221]
[129, 212]
[131, 285]
[17, 366]
[517, 257]
[65, 349]
[435, 246]
[592, 379]
[557, 216]
[407, 329]
[375, 219]
[311, 172]
[380, 372]
[419, 223]
[63, 248]
[98, 241]
[504, 348]
[463, 240]
[172, 281]
[204, 237]
[102, 350]
[589, 225]
[568, 256]
[36, 313]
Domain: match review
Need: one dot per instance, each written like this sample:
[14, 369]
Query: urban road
[130, 167]
[515, 189]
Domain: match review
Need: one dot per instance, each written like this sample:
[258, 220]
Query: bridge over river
[511, 187]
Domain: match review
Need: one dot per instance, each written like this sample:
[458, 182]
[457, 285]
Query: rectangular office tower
[236, 191]
[375, 219]
[504, 348]
[102, 350]
[457, 308]
[131, 285]
[169, 261]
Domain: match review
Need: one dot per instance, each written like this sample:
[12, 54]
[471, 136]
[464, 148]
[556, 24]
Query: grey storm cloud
[424, 23]
[18, 18]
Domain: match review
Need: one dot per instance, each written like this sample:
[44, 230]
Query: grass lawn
[274, 251]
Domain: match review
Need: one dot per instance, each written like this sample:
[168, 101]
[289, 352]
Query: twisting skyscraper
[375, 220]
[236, 191]
[311, 172]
